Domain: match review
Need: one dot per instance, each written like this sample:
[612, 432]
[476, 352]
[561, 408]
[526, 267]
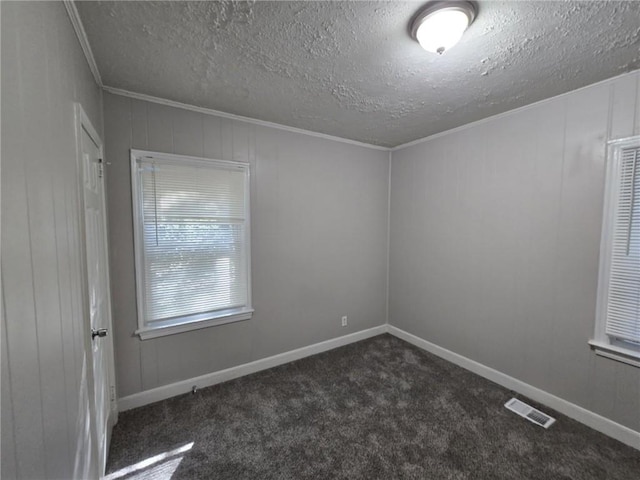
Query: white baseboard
[582, 415]
[184, 386]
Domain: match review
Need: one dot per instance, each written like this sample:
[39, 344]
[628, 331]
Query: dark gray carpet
[377, 409]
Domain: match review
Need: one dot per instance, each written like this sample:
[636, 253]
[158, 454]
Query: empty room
[320, 240]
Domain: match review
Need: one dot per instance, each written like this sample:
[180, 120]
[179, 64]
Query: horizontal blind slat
[623, 306]
[195, 247]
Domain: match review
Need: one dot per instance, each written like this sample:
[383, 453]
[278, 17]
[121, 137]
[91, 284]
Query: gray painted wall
[495, 235]
[319, 240]
[493, 255]
[43, 72]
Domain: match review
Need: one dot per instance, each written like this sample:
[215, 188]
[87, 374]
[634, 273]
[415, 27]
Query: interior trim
[74, 16]
[507, 113]
[616, 353]
[155, 332]
[603, 425]
[178, 388]
[239, 118]
[88, 53]
[582, 415]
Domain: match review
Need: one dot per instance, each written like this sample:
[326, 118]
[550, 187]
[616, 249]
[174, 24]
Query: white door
[97, 279]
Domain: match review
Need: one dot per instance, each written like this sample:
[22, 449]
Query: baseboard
[582, 415]
[593, 420]
[184, 386]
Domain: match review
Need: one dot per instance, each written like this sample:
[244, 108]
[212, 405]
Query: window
[191, 233]
[618, 313]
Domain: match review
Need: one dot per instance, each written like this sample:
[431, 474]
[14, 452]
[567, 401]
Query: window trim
[602, 344]
[189, 322]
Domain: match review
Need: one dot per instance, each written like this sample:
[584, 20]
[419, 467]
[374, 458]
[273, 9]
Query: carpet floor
[376, 409]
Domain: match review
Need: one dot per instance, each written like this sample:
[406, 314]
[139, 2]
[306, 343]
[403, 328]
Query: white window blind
[617, 332]
[623, 296]
[192, 239]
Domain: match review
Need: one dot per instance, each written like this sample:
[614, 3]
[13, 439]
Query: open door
[98, 342]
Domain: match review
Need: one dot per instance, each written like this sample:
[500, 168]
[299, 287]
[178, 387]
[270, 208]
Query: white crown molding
[240, 118]
[86, 48]
[582, 415]
[167, 391]
[507, 113]
[74, 16]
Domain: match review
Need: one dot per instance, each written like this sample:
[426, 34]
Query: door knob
[100, 332]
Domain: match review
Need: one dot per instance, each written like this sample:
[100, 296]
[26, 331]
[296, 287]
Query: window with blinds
[191, 241]
[618, 323]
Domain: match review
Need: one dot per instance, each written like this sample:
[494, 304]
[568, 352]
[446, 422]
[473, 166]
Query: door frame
[82, 122]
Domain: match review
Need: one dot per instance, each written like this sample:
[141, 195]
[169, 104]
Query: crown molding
[74, 16]
[508, 112]
[240, 118]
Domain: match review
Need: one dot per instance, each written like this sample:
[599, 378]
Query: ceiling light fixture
[440, 25]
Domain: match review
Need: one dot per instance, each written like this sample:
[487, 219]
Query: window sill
[181, 327]
[616, 353]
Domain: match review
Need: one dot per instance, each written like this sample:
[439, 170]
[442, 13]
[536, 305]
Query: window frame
[603, 344]
[191, 321]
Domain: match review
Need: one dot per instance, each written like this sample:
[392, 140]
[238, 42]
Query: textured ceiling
[349, 68]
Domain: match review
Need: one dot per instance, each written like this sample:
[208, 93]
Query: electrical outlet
[344, 321]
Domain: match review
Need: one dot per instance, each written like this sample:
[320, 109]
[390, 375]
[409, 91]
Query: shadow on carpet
[376, 409]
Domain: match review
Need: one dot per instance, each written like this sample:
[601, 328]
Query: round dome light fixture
[440, 25]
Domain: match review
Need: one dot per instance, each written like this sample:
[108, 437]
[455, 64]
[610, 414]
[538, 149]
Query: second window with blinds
[617, 333]
[192, 242]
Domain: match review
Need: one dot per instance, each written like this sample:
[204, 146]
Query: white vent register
[530, 413]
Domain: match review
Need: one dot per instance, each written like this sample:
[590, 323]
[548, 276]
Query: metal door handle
[101, 332]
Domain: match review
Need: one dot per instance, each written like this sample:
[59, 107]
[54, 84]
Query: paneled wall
[43, 72]
[495, 236]
[319, 240]
[495, 232]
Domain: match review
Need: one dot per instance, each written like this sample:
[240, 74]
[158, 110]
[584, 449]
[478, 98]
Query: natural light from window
[158, 467]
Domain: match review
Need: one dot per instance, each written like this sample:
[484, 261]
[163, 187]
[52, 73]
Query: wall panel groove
[495, 239]
[43, 73]
[319, 228]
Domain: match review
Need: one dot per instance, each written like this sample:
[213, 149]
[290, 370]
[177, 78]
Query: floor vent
[530, 413]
